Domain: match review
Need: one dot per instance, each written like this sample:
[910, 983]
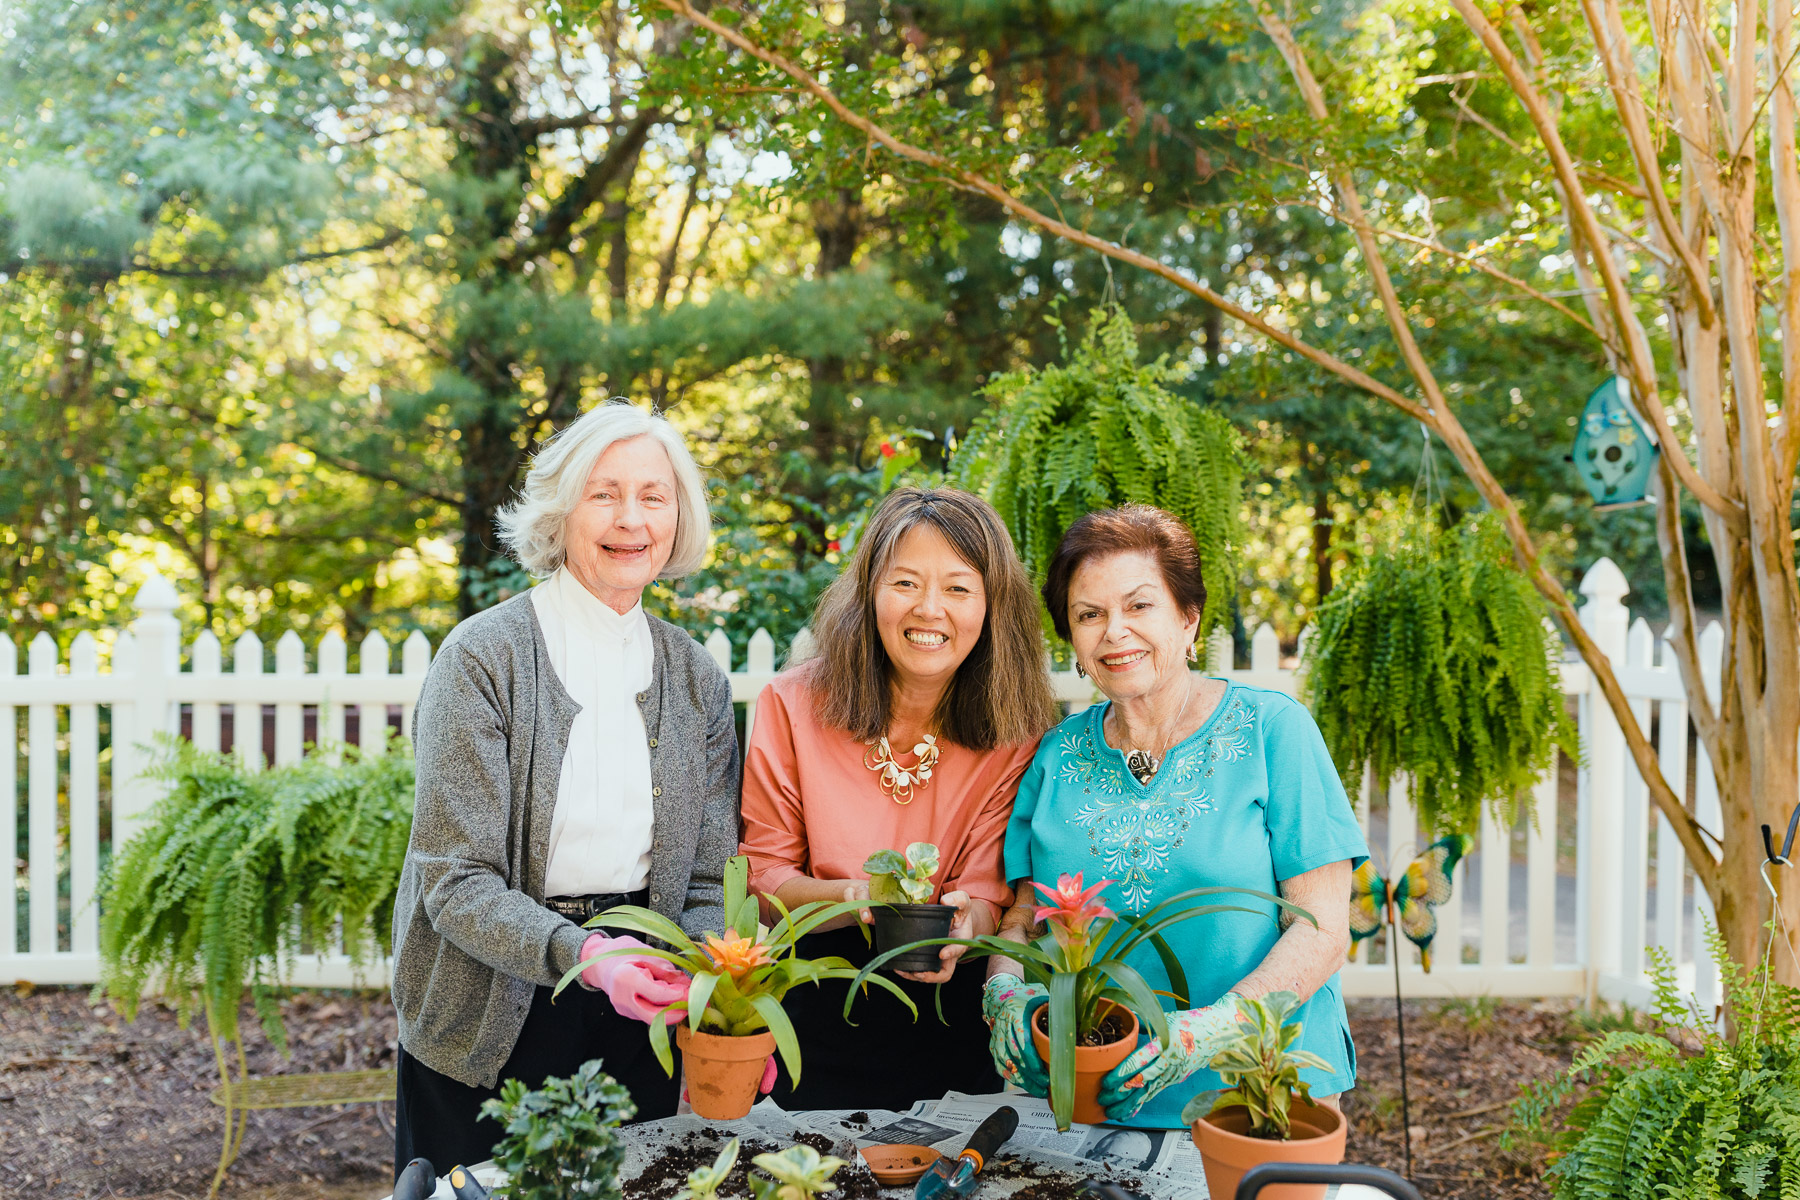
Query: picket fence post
[155, 657]
[1605, 618]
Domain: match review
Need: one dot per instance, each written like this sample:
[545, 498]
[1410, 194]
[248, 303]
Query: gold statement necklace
[896, 781]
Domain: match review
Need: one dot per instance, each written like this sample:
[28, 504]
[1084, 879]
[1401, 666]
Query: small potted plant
[1097, 998]
[560, 1141]
[900, 891]
[1257, 1119]
[731, 1020]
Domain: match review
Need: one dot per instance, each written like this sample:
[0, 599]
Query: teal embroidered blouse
[1251, 798]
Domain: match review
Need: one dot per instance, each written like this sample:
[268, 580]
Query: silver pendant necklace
[1142, 764]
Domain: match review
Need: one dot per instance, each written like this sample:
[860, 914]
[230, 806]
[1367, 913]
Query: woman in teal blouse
[1179, 781]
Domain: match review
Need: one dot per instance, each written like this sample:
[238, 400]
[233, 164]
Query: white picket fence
[1527, 929]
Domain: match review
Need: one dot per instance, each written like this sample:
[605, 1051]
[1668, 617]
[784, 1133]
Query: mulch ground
[91, 1106]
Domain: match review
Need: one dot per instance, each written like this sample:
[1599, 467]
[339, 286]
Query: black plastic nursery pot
[898, 924]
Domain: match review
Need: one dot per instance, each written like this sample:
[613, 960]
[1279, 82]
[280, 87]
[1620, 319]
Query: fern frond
[233, 875]
[1097, 430]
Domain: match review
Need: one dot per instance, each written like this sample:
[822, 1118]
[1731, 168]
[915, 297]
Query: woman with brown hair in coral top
[912, 722]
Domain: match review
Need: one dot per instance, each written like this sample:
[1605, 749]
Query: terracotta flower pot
[1091, 1062]
[722, 1072]
[1227, 1150]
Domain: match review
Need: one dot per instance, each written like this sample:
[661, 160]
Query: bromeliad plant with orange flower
[740, 975]
[1080, 960]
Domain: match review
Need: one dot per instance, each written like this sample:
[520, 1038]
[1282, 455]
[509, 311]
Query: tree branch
[1681, 635]
[1439, 418]
[1451, 430]
[1784, 177]
[552, 229]
[140, 267]
[1638, 359]
[1616, 52]
[665, 272]
[368, 472]
[971, 182]
[1480, 265]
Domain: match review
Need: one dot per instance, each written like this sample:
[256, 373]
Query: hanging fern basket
[1100, 429]
[1433, 661]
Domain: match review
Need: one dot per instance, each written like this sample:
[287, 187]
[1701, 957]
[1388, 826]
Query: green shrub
[234, 873]
[560, 1142]
[1654, 1119]
[1432, 660]
[1099, 430]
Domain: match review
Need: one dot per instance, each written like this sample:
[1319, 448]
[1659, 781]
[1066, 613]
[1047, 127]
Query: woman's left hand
[1195, 1036]
[962, 925]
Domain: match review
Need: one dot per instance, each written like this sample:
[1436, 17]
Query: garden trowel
[948, 1178]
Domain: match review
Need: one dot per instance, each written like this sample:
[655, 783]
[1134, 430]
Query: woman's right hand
[640, 986]
[858, 890]
[1007, 1005]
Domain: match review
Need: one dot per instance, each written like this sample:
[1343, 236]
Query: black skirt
[885, 1060]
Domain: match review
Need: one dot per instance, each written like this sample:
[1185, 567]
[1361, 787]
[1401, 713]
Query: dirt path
[93, 1107]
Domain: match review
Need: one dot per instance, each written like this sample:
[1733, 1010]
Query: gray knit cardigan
[471, 938]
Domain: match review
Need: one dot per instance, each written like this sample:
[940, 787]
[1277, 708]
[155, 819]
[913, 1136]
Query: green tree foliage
[1654, 1117]
[1433, 661]
[561, 1139]
[233, 873]
[156, 179]
[1101, 429]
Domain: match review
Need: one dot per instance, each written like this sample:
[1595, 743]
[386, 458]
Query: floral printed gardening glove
[1195, 1037]
[1007, 1003]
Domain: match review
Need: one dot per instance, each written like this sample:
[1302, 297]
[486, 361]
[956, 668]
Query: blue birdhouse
[1614, 453]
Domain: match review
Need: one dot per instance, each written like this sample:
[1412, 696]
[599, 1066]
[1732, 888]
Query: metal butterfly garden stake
[1405, 905]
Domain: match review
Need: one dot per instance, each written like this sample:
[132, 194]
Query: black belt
[580, 908]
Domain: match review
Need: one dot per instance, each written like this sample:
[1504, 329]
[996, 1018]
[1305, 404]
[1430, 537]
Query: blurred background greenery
[291, 289]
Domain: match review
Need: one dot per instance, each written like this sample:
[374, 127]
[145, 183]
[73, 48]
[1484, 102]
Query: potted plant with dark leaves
[900, 891]
[731, 1019]
[1096, 997]
[561, 1141]
[1258, 1119]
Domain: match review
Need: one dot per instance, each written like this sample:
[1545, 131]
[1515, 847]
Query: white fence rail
[1534, 913]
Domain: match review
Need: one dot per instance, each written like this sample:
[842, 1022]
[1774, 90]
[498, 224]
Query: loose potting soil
[666, 1174]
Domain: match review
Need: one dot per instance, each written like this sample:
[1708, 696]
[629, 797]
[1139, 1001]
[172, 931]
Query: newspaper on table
[1165, 1160]
[1160, 1164]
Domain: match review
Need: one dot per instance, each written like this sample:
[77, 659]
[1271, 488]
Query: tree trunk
[838, 226]
[1321, 545]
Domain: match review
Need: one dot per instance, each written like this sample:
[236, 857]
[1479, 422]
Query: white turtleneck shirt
[600, 836]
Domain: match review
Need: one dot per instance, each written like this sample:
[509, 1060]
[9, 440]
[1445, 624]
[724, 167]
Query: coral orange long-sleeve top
[812, 808]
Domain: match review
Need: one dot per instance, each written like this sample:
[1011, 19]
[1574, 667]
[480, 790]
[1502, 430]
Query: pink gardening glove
[640, 986]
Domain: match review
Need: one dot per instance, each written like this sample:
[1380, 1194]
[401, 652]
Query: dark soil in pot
[897, 925]
[1109, 1029]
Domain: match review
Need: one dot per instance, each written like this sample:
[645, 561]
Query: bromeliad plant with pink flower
[1080, 960]
[738, 976]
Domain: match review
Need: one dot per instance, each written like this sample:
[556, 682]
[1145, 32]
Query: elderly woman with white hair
[573, 754]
